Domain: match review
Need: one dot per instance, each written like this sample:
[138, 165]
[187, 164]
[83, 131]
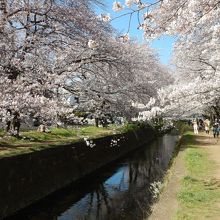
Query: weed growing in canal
[156, 188]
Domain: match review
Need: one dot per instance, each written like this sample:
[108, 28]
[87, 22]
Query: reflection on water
[120, 191]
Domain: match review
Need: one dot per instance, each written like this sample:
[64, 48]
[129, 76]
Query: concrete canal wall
[29, 177]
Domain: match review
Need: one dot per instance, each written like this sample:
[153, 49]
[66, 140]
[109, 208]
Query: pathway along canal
[118, 191]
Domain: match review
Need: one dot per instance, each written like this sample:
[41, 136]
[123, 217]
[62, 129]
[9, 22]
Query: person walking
[216, 128]
[200, 124]
[8, 120]
[16, 123]
[207, 125]
[195, 126]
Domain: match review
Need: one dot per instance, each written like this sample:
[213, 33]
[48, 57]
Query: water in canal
[119, 191]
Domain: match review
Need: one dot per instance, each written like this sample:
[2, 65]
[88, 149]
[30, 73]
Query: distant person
[195, 126]
[8, 120]
[41, 128]
[215, 128]
[207, 125]
[201, 124]
[16, 123]
[189, 122]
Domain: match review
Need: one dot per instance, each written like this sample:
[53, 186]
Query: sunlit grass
[182, 126]
[34, 140]
[200, 194]
[95, 131]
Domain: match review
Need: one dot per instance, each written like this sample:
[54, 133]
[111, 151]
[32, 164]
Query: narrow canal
[119, 191]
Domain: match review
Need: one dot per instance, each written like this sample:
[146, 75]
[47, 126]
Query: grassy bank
[33, 140]
[199, 197]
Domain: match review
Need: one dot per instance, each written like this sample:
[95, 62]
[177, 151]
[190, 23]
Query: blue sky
[163, 45]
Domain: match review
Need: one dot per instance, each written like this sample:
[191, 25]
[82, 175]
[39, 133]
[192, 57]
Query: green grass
[95, 131]
[55, 134]
[199, 196]
[34, 141]
[1, 132]
[64, 132]
[182, 126]
[134, 126]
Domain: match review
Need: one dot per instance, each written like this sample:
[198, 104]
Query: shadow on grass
[191, 140]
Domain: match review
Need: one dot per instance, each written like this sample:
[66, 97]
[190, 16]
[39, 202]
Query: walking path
[214, 151]
[167, 206]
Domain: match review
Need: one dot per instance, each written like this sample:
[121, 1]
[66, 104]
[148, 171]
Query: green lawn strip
[34, 141]
[31, 147]
[182, 127]
[200, 193]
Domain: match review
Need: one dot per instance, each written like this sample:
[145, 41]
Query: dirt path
[167, 205]
[213, 146]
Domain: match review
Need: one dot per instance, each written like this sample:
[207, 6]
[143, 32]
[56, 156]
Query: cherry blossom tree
[37, 37]
[196, 54]
[170, 17]
[51, 50]
[119, 81]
